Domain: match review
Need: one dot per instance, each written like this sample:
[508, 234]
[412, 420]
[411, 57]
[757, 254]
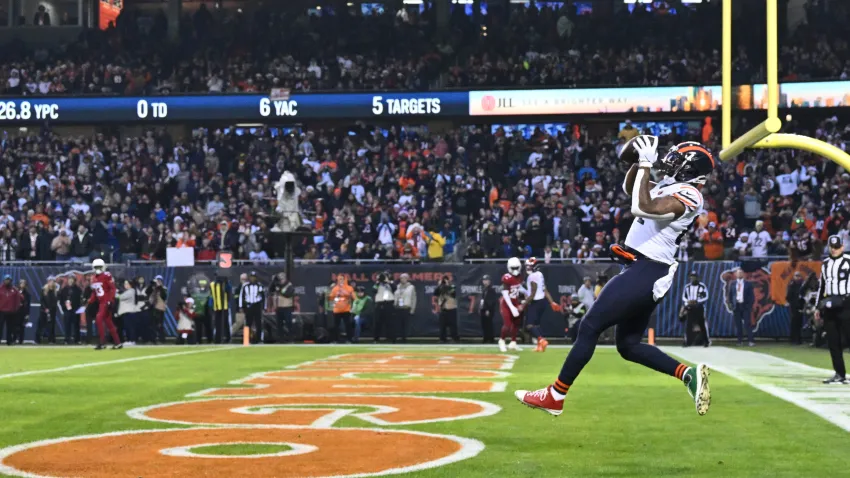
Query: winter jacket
[10, 299]
[342, 296]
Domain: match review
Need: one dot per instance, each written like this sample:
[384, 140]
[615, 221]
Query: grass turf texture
[238, 449]
[620, 419]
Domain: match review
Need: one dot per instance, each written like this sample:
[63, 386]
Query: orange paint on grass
[339, 451]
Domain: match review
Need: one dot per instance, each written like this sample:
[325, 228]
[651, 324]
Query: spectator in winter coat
[405, 304]
[342, 296]
[10, 302]
[70, 300]
[363, 310]
[712, 242]
[81, 245]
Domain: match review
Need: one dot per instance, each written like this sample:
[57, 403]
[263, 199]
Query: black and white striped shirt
[252, 294]
[698, 292]
[834, 277]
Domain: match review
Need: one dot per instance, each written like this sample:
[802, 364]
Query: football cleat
[542, 400]
[836, 380]
[513, 346]
[542, 344]
[502, 346]
[696, 380]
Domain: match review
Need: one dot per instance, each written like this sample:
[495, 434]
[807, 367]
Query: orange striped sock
[560, 387]
[680, 371]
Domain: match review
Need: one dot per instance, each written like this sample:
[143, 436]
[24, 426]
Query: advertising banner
[770, 318]
[652, 99]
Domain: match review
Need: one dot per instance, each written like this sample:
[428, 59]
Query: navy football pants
[627, 302]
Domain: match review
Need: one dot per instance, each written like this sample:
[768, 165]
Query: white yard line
[791, 381]
[110, 362]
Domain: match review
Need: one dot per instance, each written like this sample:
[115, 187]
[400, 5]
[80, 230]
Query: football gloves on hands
[647, 149]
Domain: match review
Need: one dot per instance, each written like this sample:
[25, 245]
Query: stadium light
[764, 135]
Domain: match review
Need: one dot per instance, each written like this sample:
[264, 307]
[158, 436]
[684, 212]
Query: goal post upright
[765, 134]
[726, 101]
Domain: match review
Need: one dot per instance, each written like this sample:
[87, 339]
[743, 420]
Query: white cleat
[513, 346]
[502, 347]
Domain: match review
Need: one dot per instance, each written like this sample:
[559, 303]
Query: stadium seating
[489, 194]
[230, 51]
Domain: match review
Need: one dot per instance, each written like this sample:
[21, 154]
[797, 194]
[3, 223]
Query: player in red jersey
[510, 304]
[103, 292]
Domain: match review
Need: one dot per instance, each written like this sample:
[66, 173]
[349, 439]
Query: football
[629, 154]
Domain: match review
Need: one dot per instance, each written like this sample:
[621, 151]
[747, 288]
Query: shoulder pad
[688, 195]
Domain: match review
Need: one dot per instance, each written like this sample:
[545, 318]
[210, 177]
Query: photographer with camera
[445, 293]
[384, 306]
[573, 314]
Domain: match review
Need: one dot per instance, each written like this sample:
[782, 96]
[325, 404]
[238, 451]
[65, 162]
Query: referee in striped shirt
[832, 305]
[693, 310]
[252, 298]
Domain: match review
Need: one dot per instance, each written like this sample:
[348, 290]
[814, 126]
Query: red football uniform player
[103, 292]
[510, 304]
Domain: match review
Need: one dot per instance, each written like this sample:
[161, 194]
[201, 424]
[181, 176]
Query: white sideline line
[110, 362]
[794, 382]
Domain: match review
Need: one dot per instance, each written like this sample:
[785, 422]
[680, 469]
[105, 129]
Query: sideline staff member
[832, 296]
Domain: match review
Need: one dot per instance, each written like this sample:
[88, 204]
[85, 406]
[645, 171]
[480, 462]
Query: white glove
[647, 148]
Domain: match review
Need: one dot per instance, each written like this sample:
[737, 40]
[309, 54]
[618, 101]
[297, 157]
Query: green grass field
[619, 419]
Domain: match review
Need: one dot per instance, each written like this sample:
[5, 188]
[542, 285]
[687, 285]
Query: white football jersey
[658, 239]
[759, 241]
[536, 277]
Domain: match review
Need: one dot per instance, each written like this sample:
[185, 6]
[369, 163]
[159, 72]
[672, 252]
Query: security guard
[693, 310]
[220, 300]
[832, 295]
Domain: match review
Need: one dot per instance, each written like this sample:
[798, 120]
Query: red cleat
[541, 399]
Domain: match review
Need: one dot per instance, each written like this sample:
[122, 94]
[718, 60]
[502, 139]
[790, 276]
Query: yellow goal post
[765, 134]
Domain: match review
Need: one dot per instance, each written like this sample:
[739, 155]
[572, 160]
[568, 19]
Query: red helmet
[531, 264]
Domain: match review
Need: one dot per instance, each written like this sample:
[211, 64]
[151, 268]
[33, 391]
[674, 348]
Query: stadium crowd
[398, 193]
[223, 51]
